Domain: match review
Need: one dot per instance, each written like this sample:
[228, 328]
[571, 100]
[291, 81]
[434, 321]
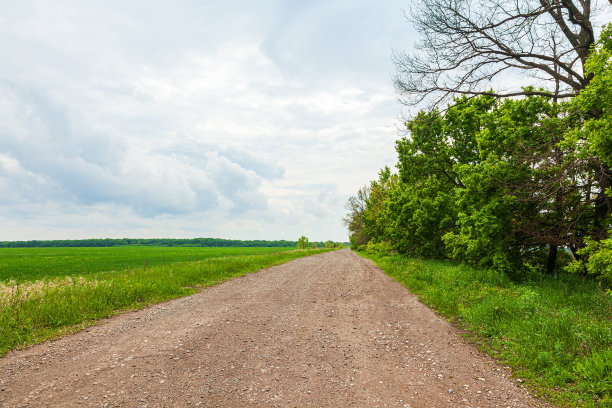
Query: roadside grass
[34, 312]
[31, 264]
[555, 332]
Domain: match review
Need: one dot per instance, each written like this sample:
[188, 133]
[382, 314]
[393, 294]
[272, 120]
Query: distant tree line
[516, 181]
[165, 242]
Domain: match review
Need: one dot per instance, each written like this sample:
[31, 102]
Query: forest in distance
[162, 242]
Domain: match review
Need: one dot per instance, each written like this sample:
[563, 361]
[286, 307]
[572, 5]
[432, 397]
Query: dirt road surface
[329, 330]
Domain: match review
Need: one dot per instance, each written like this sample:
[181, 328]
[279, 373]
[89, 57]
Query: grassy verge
[555, 332]
[37, 311]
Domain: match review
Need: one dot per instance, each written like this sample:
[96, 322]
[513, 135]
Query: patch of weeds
[596, 370]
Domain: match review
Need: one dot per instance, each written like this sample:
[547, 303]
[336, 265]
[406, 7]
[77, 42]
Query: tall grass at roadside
[34, 312]
[555, 332]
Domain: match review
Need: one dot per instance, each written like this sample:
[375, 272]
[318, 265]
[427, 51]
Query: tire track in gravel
[329, 330]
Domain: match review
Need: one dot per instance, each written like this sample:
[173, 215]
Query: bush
[598, 262]
[381, 248]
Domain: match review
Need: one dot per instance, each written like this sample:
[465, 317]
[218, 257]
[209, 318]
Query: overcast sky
[202, 118]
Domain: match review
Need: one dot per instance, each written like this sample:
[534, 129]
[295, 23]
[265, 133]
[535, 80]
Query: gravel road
[329, 330]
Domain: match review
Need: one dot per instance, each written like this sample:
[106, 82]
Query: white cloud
[192, 118]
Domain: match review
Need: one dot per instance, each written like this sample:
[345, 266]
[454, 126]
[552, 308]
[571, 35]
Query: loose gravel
[329, 330]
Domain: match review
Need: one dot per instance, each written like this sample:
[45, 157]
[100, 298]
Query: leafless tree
[466, 44]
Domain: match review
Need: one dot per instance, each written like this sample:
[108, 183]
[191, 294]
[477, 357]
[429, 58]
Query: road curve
[329, 330]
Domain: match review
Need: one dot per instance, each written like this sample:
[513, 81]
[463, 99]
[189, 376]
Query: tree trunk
[603, 204]
[551, 263]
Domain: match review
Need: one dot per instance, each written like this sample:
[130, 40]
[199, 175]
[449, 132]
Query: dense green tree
[376, 220]
[503, 183]
[595, 101]
[524, 196]
[421, 215]
[428, 159]
[488, 182]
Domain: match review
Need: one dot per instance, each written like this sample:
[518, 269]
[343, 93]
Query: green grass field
[555, 332]
[61, 290]
[31, 264]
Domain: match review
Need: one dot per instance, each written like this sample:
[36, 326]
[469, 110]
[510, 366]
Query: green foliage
[596, 138]
[524, 192]
[419, 215]
[423, 206]
[596, 99]
[596, 260]
[34, 312]
[596, 370]
[381, 248]
[302, 242]
[376, 215]
[331, 244]
[554, 331]
[494, 184]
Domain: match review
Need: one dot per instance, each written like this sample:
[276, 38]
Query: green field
[31, 264]
[554, 331]
[60, 290]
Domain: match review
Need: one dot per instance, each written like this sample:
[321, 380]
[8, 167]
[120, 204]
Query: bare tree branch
[465, 45]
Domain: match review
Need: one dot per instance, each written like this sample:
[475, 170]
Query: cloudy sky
[237, 119]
